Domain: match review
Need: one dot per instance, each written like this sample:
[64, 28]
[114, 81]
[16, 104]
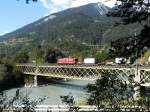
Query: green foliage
[9, 74]
[70, 102]
[37, 54]
[45, 54]
[25, 103]
[80, 55]
[21, 57]
[2, 72]
[118, 48]
[121, 31]
[132, 45]
[133, 10]
[52, 56]
[108, 92]
[102, 56]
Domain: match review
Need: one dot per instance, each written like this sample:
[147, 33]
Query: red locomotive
[67, 61]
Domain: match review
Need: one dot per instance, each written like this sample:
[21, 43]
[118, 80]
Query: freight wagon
[89, 61]
[67, 61]
[120, 60]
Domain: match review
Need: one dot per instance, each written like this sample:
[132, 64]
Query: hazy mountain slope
[93, 9]
[81, 26]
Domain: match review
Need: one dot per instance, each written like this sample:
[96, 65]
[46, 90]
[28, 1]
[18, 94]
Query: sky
[16, 13]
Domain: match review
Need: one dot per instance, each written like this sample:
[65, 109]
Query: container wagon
[89, 61]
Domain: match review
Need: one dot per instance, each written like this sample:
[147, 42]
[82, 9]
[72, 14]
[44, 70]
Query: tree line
[131, 12]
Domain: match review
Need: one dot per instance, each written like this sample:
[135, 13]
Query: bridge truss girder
[79, 72]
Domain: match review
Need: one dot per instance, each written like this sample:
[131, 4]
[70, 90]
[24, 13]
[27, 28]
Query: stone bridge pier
[31, 81]
[35, 81]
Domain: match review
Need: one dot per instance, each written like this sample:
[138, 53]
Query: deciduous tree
[70, 102]
[25, 104]
[21, 57]
[108, 92]
[132, 11]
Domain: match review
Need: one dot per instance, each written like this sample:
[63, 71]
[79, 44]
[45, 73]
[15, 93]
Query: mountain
[69, 30]
[93, 9]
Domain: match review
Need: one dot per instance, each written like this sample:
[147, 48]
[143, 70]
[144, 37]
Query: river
[54, 90]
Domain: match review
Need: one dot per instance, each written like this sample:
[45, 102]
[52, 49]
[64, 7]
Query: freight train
[88, 61]
[93, 61]
[76, 61]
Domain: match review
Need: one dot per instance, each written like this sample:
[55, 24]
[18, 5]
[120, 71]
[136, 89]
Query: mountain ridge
[70, 30]
[91, 9]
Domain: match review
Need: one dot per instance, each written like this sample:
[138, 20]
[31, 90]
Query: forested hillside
[71, 30]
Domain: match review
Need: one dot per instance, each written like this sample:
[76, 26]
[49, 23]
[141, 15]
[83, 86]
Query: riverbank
[53, 91]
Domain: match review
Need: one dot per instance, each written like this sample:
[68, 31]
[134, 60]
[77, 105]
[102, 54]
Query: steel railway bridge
[138, 75]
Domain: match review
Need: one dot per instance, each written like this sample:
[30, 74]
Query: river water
[54, 90]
